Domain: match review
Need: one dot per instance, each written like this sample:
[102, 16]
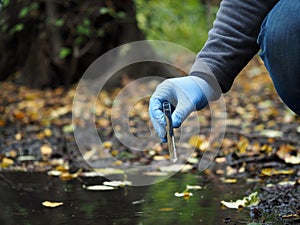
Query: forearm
[232, 41]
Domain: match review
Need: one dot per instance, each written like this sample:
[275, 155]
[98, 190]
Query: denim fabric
[279, 40]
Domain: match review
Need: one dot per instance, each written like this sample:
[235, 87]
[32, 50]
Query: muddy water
[22, 196]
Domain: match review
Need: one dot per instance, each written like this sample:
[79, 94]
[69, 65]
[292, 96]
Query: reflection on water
[21, 202]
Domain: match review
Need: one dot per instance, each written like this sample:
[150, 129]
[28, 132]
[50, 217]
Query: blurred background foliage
[185, 23]
[49, 43]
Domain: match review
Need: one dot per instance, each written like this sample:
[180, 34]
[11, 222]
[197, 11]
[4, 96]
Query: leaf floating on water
[52, 204]
[235, 205]
[117, 183]
[99, 188]
[166, 209]
[109, 171]
[155, 173]
[69, 176]
[90, 174]
[54, 173]
[185, 194]
[176, 168]
[251, 200]
[193, 187]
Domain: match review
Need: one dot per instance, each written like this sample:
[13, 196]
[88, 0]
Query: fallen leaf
[293, 159]
[242, 145]
[166, 209]
[107, 144]
[54, 173]
[99, 188]
[196, 141]
[90, 174]
[155, 173]
[69, 176]
[193, 187]
[18, 136]
[183, 194]
[48, 132]
[108, 171]
[46, 150]
[271, 133]
[52, 204]
[287, 183]
[251, 200]
[7, 162]
[24, 158]
[271, 172]
[220, 160]
[117, 183]
[290, 216]
[229, 180]
[68, 128]
[159, 158]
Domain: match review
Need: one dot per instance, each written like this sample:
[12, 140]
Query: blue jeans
[279, 40]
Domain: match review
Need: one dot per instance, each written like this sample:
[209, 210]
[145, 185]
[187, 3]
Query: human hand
[186, 94]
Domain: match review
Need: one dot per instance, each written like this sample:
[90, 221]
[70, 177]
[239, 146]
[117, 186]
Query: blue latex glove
[186, 94]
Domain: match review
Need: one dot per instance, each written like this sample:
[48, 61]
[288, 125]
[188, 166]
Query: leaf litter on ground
[261, 139]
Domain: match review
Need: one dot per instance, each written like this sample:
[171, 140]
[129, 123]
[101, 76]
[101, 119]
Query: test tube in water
[169, 131]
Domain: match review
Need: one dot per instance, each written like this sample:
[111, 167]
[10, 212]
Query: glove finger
[157, 118]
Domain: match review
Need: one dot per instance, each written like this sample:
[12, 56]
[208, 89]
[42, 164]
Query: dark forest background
[50, 43]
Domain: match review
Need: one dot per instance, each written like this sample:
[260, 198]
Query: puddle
[21, 202]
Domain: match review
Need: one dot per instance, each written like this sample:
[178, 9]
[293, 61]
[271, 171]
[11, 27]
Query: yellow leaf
[196, 141]
[18, 136]
[52, 204]
[117, 163]
[159, 158]
[271, 172]
[166, 209]
[183, 194]
[228, 180]
[46, 150]
[242, 145]
[107, 144]
[48, 132]
[70, 176]
[7, 162]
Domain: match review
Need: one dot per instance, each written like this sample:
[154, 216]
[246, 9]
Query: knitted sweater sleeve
[232, 41]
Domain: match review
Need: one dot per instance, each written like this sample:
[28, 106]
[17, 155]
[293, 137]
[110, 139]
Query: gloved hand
[186, 94]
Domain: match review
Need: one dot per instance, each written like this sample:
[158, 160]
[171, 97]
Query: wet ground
[259, 153]
[21, 203]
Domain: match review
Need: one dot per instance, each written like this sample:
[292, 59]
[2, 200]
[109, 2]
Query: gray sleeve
[232, 41]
